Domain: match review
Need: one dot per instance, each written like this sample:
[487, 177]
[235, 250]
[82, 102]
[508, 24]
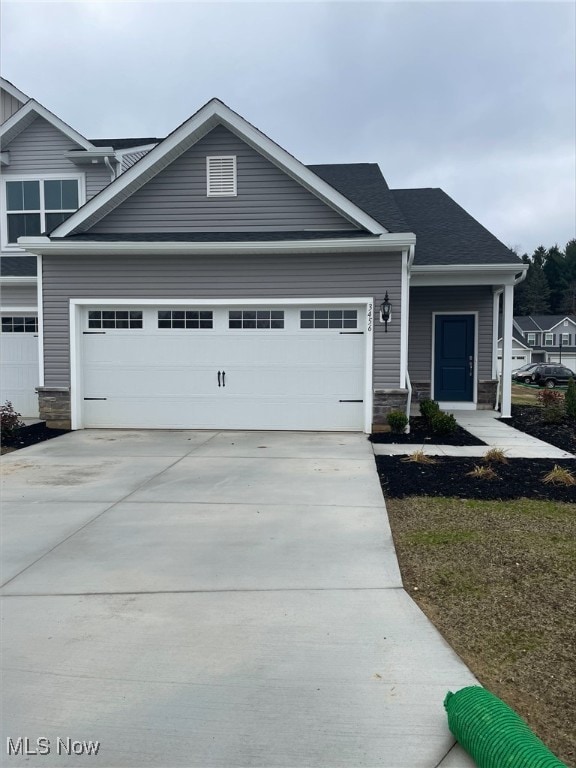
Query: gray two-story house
[219, 282]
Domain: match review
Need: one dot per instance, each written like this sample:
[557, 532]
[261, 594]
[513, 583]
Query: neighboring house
[546, 339]
[48, 171]
[220, 283]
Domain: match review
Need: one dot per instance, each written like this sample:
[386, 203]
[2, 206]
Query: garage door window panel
[185, 319]
[328, 318]
[261, 319]
[115, 319]
[19, 324]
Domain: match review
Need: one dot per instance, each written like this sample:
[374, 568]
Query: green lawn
[498, 579]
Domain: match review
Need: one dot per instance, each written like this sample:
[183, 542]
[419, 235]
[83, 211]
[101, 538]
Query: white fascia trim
[467, 274]
[211, 114]
[387, 242]
[34, 106]
[76, 306]
[13, 91]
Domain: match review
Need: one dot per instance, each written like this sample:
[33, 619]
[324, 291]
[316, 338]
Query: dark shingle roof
[364, 185]
[18, 266]
[123, 143]
[217, 237]
[526, 323]
[546, 322]
[446, 233]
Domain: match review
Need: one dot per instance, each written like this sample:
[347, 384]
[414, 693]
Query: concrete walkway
[484, 425]
[210, 599]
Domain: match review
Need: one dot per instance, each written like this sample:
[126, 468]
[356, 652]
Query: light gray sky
[478, 98]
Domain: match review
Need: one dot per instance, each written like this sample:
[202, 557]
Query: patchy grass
[498, 579]
[524, 394]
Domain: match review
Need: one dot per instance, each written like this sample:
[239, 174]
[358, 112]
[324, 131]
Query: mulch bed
[420, 434]
[519, 478]
[528, 418]
[35, 433]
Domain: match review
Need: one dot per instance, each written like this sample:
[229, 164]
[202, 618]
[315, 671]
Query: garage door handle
[219, 378]
[223, 378]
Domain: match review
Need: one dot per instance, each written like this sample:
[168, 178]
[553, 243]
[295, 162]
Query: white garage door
[233, 367]
[19, 362]
[518, 360]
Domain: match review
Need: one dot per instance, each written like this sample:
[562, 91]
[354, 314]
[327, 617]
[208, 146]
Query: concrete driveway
[215, 599]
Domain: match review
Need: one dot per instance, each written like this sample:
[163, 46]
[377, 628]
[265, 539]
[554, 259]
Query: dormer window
[221, 176]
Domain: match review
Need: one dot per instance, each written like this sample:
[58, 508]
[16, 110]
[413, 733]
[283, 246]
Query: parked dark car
[551, 375]
[524, 374]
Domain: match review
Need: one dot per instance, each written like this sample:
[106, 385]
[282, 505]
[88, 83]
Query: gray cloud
[478, 98]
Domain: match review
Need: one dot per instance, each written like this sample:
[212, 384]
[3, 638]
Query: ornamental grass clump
[560, 476]
[495, 456]
[482, 472]
[420, 458]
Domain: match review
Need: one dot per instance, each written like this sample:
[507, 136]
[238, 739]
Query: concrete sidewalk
[484, 425]
[215, 599]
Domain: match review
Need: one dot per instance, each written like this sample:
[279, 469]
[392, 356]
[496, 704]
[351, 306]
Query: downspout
[409, 263]
[110, 168]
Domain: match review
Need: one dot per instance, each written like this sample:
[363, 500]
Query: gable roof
[546, 323]
[27, 114]
[13, 91]
[446, 233]
[215, 112]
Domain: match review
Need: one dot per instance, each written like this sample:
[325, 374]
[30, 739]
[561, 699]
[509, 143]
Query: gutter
[382, 243]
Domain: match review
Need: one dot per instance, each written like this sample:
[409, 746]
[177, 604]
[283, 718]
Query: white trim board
[474, 400]
[214, 113]
[77, 305]
[27, 114]
[16, 93]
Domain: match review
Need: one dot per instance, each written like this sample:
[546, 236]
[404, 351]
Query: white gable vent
[221, 175]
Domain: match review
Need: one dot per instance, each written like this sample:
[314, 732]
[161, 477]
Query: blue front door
[454, 358]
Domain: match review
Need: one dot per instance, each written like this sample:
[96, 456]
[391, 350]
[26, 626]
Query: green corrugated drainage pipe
[493, 734]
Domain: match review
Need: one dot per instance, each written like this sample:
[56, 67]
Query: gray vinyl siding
[8, 105]
[18, 296]
[220, 277]
[41, 149]
[175, 200]
[425, 301]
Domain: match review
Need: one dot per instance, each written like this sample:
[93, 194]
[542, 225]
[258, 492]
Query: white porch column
[495, 320]
[507, 317]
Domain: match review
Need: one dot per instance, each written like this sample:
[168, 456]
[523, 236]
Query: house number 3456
[369, 317]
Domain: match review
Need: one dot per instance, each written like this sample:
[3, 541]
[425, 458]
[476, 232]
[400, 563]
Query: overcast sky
[475, 97]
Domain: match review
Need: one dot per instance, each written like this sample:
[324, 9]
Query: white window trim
[41, 177]
[548, 339]
[565, 339]
[209, 193]
[76, 328]
[531, 339]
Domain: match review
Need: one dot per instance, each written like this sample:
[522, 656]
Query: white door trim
[475, 377]
[77, 305]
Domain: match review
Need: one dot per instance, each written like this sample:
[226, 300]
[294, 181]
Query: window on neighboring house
[565, 339]
[548, 339]
[531, 338]
[221, 176]
[38, 205]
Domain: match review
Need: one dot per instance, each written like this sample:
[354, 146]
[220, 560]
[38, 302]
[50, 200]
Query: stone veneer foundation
[54, 404]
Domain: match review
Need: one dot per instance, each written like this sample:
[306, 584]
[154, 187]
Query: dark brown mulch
[529, 419]
[420, 434]
[520, 478]
[35, 433]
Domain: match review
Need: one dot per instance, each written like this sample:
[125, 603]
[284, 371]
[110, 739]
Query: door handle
[223, 378]
[471, 364]
[218, 378]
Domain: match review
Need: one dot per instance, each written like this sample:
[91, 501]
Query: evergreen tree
[532, 295]
[569, 298]
[556, 273]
